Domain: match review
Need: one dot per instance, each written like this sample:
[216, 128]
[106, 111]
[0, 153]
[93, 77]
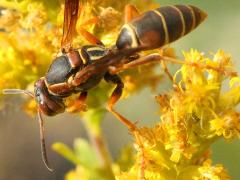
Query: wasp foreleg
[79, 104]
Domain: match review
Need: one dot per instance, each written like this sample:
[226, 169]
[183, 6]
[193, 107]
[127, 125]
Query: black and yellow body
[78, 70]
[156, 28]
[64, 67]
[150, 30]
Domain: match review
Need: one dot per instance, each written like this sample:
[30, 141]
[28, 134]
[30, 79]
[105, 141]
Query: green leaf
[66, 152]
[85, 153]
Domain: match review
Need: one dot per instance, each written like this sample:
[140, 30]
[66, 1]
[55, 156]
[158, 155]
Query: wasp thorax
[48, 104]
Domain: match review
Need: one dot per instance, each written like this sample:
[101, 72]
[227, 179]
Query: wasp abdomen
[161, 26]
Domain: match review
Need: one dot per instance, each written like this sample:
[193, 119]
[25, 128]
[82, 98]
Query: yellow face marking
[193, 16]
[130, 30]
[82, 58]
[164, 26]
[182, 19]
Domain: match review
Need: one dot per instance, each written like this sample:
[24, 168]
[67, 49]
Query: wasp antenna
[42, 142]
[17, 91]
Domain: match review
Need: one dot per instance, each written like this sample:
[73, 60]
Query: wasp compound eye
[48, 104]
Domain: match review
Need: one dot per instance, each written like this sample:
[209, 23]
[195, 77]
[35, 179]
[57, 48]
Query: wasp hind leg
[135, 63]
[167, 72]
[117, 92]
[79, 104]
[144, 60]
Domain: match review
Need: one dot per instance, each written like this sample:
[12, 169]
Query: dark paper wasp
[78, 70]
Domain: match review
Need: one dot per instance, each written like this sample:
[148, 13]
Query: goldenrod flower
[194, 113]
[208, 172]
[193, 116]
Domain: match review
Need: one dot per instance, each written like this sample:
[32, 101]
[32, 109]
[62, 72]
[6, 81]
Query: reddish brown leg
[144, 60]
[156, 57]
[165, 68]
[135, 63]
[91, 21]
[90, 37]
[87, 35]
[115, 97]
[83, 96]
[79, 104]
[142, 163]
[131, 126]
[131, 13]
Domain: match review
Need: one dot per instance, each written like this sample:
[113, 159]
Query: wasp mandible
[78, 70]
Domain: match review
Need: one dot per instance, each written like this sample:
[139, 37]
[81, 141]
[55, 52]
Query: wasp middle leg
[117, 92]
[131, 126]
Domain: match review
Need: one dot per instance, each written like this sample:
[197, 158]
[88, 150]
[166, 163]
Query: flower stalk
[92, 124]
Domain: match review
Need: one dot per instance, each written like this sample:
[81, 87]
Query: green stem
[92, 123]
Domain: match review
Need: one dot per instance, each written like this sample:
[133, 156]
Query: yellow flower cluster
[198, 111]
[209, 172]
[27, 43]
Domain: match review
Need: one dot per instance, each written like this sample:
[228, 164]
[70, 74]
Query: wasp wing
[71, 12]
[115, 58]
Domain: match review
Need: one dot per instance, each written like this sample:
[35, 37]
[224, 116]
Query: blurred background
[20, 157]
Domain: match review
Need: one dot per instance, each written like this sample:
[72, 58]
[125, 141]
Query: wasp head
[49, 104]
